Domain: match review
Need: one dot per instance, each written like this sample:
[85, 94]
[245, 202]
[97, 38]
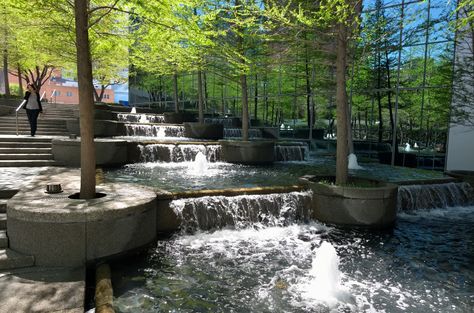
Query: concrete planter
[101, 128]
[58, 231]
[372, 207]
[467, 176]
[248, 152]
[204, 131]
[179, 117]
[109, 152]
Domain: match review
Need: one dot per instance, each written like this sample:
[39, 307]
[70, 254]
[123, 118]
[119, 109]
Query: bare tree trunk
[341, 103]
[5, 72]
[256, 98]
[245, 108]
[200, 98]
[86, 101]
[20, 80]
[175, 90]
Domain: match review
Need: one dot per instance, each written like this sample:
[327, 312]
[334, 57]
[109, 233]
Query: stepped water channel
[263, 253]
[260, 251]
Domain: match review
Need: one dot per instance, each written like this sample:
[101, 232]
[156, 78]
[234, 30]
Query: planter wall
[101, 128]
[108, 152]
[204, 131]
[248, 152]
[373, 207]
[59, 231]
[179, 117]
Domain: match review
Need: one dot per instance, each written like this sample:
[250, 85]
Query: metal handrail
[19, 108]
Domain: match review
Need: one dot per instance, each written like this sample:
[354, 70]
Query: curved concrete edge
[248, 152]
[108, 152]
[59, 231]
[373, 207]
[204, 131]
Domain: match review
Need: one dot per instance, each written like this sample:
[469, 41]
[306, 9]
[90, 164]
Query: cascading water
[291, 153]
[140, 118]
[416, 197]
[157, 131]
[239, 212]
[178, 153]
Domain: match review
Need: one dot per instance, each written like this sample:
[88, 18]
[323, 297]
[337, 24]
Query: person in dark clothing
[33, 107]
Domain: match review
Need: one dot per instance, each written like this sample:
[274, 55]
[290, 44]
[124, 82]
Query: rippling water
[425, 264]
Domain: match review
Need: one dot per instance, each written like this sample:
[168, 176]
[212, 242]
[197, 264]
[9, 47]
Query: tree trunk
[5, 72]
[175, 90]
[389, 92]
[205, 93]
[255, 109]
[20, 81]
[200, 98]
[245, 108]
[86, 101]
[341, 104]
[309, 109]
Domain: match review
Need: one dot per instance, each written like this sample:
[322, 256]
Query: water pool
[180, 176]
[425, 264]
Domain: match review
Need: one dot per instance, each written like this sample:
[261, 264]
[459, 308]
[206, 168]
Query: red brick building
[62, 90]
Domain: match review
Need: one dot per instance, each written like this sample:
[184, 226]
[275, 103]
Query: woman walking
[33, 107]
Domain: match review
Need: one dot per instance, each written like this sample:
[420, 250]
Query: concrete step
[3, 239]
[3, 221]
[3, 205]
[24, 139]
[26, 163]
[26, 144]
[8, 151]
[7, 193]
[10, 259]
[27, 156]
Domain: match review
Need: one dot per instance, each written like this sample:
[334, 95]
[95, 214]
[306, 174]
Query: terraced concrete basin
[373, 205]
[59, 231]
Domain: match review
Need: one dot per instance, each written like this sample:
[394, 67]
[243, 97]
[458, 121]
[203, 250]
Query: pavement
[42, 289]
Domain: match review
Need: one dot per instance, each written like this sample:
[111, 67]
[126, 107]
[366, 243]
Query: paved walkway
[38, 289]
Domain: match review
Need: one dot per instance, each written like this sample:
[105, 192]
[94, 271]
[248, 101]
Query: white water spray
[200, 164]
[353, 165]
[134, 110]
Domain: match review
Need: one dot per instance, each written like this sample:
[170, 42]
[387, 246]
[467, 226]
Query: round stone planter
[248, 152]
[373, 206]
[59, 231]
[204, 131]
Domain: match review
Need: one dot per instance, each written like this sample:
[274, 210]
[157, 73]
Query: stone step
[8, 151]
[27, 156]
[3, 221]
[38, 133]
[3, 205]
[7, 193]
[3, 239]
[26, 163]
[27, 144]
[10, 259]
[46, 129]
[24, 139]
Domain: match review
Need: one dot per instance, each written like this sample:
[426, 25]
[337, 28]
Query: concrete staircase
[33, 151]
[25, 151]
[51, 123]
[9, 259]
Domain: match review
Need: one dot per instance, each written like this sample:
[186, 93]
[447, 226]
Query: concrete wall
[460, 150]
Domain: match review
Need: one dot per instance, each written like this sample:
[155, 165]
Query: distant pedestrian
[33, 107]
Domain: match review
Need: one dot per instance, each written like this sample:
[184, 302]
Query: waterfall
[206, 213]
[178, 153]
[140, 118]
[237, 133]
[415, 197]
[159, 131]
[291, 153]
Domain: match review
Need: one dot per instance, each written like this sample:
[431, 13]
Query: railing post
[16, 113]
